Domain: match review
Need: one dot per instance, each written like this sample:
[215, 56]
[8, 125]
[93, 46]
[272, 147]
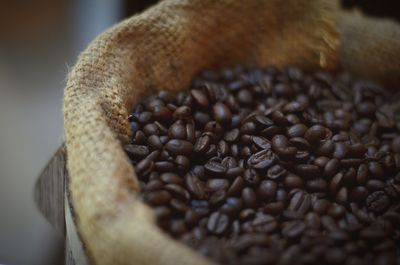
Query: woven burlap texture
[163, 48]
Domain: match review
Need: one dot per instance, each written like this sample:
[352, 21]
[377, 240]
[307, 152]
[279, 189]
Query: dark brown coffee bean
[300, 202]
[276, 172]
[300, 143]
[217, 184]
[321, 206]
[222, 114]
[217, 198]
[262, 223]
[375, 185]
[317, 185]
[177, 191]
[154, 142]
[232, 135]
[342, 196]
[154, 184]
[376, 170]
[297, 130]
[293, 181]
[317, 133]
[202, 144]
[236, 186]
[312, 220]
[261, 142]
[234, 172]
[191, 217]
[362, 174]
[162, 114]
[136, 151]
[195, 186]
[182, 113]
[341, 150]
[179, 147]
[358, 194]
[177, 131]
[200, 98]
[279, 142]
[218, 223]
[336, 211]
[293, 229]
[326, 148]
[215, 168]
[249, 197]
[307, 171]
[378, 202]
[178, 206]
[251, 177]
[232, 206]
[267, 190]
[279, 118]
[248, 128]
[158, 198]
[274, 208]
[262, 160]
[331, 167]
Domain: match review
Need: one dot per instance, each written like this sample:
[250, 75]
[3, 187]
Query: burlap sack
[165, 47]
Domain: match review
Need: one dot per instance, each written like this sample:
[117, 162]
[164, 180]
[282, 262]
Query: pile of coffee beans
[268, 166]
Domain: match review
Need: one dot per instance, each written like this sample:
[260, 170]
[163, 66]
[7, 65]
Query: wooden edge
[74, 251]
[49, 190]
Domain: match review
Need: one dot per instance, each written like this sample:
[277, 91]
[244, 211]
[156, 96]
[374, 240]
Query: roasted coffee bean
[378, 202]
[179, 147]
[293, 181]
[177, 131]
[195, 186]
[222, 114]
[136, 151]
[249, 197]
[232, 206]
[262, 166]
[307, 171]
[215, 168]
[218, 223]
[267, 190]
[276, 172]
[300, 202]
[217, 184]
[262, 160]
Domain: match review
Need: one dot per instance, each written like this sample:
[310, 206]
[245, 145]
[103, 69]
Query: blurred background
[39, 42]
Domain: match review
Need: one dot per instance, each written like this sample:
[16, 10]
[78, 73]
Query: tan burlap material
[163, 48]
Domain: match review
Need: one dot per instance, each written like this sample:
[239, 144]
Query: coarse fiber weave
[163, 48]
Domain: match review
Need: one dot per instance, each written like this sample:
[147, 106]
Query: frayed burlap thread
[163, 48]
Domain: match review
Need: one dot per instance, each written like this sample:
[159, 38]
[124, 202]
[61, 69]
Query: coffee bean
[179, 147]
[262, 160]
[158, 198]
[297, 130]
[331, 167]
[321, 206]
[261, 142]
[232, 206]
[279, 142]
[300, 202]
[217, 184]
[215, 168]
[293, 229]
[222, 113]
[267, 190]
[218, 223]
[307, 171]
[177, 131]
[232, 136]
[249, 197]
[195, 186]
[378, 202]
[136, 151]
[293, 181]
